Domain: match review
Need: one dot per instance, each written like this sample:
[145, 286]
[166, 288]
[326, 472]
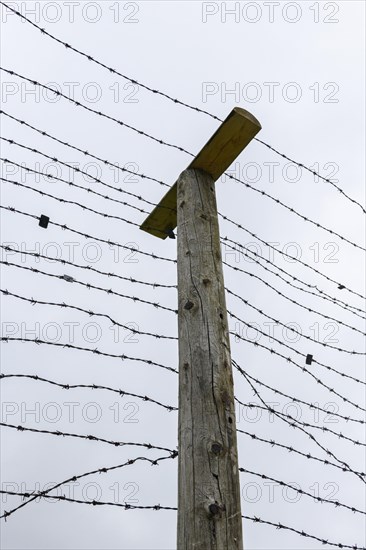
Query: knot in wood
[188, 305]
[214, 509]
[216, 448]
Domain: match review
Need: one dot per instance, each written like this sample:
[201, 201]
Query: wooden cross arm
[229, 140]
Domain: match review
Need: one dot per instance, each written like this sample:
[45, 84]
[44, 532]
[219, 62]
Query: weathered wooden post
[209, 511]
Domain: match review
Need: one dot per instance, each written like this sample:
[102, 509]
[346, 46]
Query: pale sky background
[183, 49]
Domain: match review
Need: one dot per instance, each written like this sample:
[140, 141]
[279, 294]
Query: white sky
[168, 46]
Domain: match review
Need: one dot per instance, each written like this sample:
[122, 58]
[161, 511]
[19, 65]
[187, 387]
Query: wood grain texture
[232, 136]
[209, 512]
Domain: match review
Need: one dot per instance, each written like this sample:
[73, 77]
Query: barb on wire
[37, 494]
[87, 285]
[298, 427]
[121, 393]
[300, 491]
[322, 295]
[86, 267]
[98, 239]
[20, 428]
[88, 312]
[96, 351]
[176, 101]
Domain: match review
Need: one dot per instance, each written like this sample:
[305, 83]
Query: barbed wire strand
[96, 351]
[88, 437]
[66, 201]
[130, 462]
[179, 102]
[302, 533]
[291, 449]
[91, 502]
[86, 267]
[91, 313]
[121, 393]
[300, 491]
[86, 236]
[87, 285]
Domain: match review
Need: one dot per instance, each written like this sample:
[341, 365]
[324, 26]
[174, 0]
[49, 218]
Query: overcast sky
[299, 68]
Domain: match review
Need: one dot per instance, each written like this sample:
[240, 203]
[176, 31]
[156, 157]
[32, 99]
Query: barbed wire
[37, 494]
[293, 211]
[294, 424]
[87, 267]
[328, 367]
[96, 351]
[87, 312]
[302, 533]
[20, 428]
[300, 491]
[180, 102]
[181, 149]
[91, 502]
[239, 269]
[66, 201]
[291, 449]
[321, 294]
[301, 367]
[110, 69]
[86, 236]
[71, 184]
[293, 419]
[94, 111]
[141, 210]
[80, 171]
[292, 258]
[311, 406]
[157, 507]
[139, 197]
[295, 331]
[88, 286]
[121, 393]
